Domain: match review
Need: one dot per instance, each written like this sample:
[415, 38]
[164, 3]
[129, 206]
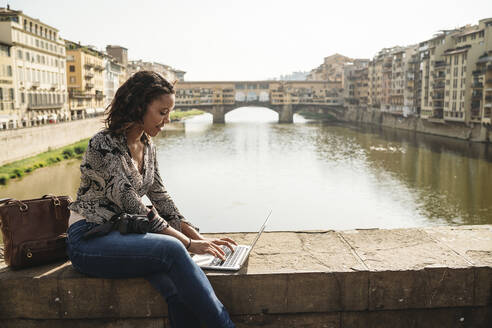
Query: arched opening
[252, 114]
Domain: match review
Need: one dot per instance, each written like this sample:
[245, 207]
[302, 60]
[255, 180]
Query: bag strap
[22, 207]
[57, 206]
[5, 200]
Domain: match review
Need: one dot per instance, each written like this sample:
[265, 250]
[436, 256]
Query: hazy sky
[248, 40]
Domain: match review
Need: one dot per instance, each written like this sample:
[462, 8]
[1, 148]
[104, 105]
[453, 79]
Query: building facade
[114, 76]
[85, 80]
[9, 116]
[168, 72]
[38, 69]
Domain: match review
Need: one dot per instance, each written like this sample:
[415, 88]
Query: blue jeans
[162, 260]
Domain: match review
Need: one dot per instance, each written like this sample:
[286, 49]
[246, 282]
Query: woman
[118, 168]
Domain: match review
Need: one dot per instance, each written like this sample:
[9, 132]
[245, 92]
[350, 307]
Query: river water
[312, 175]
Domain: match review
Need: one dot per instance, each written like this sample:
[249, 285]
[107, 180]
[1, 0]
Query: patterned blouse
[111, 183]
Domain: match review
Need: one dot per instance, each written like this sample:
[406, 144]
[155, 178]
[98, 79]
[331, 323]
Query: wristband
[189, 243]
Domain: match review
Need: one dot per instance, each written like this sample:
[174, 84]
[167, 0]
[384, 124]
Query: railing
[440, 64]
[44, 106]
[79, 94]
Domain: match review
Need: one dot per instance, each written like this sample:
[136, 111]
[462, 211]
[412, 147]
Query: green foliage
[177, 115]
[18, 173]
[53, 156]
[79, 149]
[67, 153]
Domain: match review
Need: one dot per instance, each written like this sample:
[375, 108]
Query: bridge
[284, 97]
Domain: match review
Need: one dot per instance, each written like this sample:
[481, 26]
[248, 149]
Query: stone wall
[22, 143]
[421, 277]
[473, 132]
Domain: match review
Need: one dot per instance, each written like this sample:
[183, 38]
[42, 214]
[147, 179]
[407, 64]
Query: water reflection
[226, 177]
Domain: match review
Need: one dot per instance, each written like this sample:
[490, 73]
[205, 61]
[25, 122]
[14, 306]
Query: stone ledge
[311, 276]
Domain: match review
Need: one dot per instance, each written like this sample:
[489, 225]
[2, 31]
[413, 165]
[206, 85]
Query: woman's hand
[211, 246]
[223, 241]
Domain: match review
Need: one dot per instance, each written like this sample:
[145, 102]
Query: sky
[219, 40]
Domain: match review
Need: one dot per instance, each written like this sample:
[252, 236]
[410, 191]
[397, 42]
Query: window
[4, 50]
[455, 94]
[473, 36]
[456, 59]
[481, 34]
[9, 70]
[28, 56]
[23, 97]
[19, 54]
[72, 68]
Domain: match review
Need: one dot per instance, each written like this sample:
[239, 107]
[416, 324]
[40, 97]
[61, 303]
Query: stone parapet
[425, 277]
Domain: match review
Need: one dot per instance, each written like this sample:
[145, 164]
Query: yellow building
[85, 80]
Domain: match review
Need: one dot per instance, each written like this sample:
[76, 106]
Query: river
[314, 176]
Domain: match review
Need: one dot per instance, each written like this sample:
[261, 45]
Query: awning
[90, 110]
[99, 110]
[7, 118]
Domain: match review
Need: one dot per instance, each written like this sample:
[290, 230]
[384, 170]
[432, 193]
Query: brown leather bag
[35, 230]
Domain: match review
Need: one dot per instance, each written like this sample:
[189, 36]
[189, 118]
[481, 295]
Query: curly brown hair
[132, 99]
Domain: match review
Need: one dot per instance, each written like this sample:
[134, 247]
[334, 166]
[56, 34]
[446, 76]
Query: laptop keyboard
[231, 259]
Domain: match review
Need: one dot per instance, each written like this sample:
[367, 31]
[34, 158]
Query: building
[403, 73]
[331, 70]
[114, 76]
[9, 117]
[120, 54]
[355, 82]
[85, 80]
[465, 90]
[168, 72]
[37, 66]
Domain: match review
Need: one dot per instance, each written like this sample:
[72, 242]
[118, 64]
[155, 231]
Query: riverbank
[19, 168]
[473, 132]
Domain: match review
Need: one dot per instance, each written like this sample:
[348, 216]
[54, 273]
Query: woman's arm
[195, 246]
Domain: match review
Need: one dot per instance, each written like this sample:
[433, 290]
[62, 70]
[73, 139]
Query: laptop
[234, 260]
